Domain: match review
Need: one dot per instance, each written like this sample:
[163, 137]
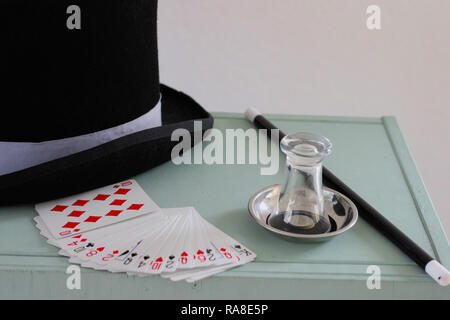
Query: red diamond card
[95, 209]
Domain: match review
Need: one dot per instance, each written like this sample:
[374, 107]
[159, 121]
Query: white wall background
[318, 57]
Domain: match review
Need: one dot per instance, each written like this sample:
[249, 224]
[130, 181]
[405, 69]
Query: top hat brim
[108, 163]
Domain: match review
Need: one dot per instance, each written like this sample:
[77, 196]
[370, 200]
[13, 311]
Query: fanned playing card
[95, 209]
[175, 243]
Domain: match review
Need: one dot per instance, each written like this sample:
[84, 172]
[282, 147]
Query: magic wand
[431, 266]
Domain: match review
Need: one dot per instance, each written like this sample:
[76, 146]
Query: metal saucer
[341, 212]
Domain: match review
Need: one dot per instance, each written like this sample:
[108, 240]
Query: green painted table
[370, 155]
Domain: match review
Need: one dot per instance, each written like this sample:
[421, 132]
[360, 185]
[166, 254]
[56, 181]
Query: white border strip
[15, 156]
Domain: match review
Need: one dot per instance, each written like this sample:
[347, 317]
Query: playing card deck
[130, 233]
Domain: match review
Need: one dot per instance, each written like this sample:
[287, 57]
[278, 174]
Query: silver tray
[342, 213]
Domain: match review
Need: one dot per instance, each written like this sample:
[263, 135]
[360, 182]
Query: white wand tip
[438, 272]
[251, 113]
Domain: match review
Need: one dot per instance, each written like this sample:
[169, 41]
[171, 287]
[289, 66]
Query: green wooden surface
[369, 154]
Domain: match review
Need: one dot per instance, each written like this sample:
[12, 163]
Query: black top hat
[85, 106]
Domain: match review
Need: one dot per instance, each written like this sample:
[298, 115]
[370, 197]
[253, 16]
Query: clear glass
[300, 208]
